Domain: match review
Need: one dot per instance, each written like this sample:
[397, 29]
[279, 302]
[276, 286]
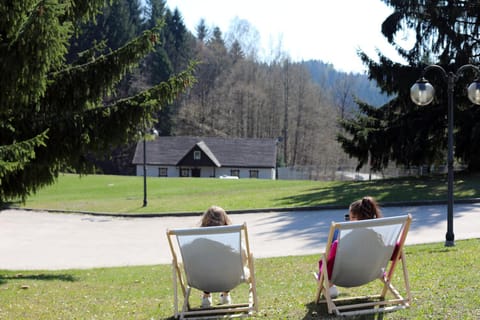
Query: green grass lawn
[444, 283]
[444, 280]
[124, 194]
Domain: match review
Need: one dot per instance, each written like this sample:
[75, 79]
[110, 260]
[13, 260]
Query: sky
[328, 30]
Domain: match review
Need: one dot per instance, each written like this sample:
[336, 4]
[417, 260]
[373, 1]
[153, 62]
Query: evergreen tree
[236, 52]
[171, 54]
[446, 33]
[217, 43]
[175, 40]
[118, 23]
[51, 112]
[158, 65]
[154, 12]
[202, 31]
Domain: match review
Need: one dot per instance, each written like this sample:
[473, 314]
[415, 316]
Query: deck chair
[367, 250]
[212, 259]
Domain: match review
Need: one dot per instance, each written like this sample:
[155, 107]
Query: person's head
[215, 216]
[365, 208]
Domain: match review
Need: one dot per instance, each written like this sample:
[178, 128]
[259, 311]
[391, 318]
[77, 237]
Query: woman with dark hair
[363, 209]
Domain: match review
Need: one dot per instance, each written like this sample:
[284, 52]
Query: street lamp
[155, 132]
[422, 93]
[144, 170]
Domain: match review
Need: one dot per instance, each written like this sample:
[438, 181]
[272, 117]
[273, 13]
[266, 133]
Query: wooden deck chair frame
[180, 277]
[374, 303]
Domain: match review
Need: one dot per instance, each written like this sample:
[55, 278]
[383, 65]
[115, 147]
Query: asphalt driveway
[32, 240]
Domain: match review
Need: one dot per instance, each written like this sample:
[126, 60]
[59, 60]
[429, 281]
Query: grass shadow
[10, 204]
[320, 311]
[414, 188]
[387, 190]
[40, 276]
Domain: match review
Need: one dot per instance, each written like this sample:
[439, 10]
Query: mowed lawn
[444, 282]
[124, 194]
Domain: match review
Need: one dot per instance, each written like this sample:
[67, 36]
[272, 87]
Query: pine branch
[79, 87]
[14, 157]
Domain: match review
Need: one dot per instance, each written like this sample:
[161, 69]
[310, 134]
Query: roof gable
[226, 152]
[188, 159]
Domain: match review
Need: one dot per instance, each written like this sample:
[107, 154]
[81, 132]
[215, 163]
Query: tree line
[236, 94]
[322, 118]
[81, 80]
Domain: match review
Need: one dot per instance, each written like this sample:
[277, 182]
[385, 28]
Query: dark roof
[227, 152]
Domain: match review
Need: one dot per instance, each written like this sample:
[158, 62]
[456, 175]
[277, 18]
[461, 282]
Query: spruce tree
[52, 112]
[202, 31]
[445, 33]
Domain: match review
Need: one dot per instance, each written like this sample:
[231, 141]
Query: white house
[207, 157]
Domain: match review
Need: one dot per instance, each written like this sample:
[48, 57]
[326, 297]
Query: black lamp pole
[144, 173]
[144, 164]
[422, 93]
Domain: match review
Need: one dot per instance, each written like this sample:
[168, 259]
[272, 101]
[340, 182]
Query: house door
[196, 172]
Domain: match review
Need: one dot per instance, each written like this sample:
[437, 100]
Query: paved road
[41, 240]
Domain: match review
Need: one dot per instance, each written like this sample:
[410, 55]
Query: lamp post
[144, 170]
[422, 93]
[144, 162]
[155, 133]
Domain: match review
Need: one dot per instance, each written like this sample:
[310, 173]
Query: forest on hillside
[236, 94]
[84, 80]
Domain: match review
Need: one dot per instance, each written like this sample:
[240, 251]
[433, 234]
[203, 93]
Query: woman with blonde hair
[215, 216]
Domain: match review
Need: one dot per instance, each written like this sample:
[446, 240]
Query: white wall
[152, 171]
[263, 173]
[207, 172]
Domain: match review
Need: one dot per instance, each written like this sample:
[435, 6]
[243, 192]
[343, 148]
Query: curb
[258, 210]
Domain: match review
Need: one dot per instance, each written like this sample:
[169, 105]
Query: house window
[162, 172]
[197, 155]
[235, 173]
[253, 173]
[184, 172]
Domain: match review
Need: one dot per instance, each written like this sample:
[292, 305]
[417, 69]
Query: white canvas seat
[365, 253]
[212, 259]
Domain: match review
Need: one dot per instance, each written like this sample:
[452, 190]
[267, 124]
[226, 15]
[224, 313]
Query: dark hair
[365, 208]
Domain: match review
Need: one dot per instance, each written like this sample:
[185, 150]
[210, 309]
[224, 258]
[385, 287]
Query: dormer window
[197, 155]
